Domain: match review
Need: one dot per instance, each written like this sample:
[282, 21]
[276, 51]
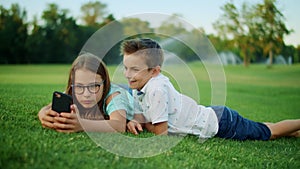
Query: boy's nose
[127, 73]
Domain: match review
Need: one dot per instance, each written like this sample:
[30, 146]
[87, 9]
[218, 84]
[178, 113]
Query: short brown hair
[148, 48]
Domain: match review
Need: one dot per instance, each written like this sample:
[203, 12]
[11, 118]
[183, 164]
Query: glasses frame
[88, 87]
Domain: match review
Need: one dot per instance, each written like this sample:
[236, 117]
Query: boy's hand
[134, 127]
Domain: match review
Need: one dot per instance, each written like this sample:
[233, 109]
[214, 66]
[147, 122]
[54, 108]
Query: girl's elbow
[121, 130]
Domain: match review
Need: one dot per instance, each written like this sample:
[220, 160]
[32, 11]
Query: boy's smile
[136, 71]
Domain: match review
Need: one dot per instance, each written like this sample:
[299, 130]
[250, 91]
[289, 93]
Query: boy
[162, 110]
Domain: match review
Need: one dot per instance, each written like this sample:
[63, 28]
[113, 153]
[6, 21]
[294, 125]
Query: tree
[13, 34]
[56, 40]
[93, 13]
[172, 26]
[270, 28]
[296, 58]
[135, 26]
[234, 26]
[34, 39]
[255, 29]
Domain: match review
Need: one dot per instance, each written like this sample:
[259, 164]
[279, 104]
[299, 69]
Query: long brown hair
[94, 64]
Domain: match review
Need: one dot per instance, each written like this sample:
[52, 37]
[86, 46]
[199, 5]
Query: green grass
[258, 93]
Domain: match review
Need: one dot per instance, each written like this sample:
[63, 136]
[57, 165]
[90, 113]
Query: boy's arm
[158, 128]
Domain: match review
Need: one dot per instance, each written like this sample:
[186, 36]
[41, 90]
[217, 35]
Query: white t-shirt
[159, 101]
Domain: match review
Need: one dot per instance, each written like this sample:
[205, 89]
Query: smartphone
[61, 102]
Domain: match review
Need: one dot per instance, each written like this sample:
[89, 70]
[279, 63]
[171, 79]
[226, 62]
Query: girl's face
[88, 87]
[136, 71]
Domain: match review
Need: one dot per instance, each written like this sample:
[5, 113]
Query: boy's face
[136, 71]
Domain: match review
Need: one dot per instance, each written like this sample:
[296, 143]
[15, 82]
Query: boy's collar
[140, 93]
[143, 90]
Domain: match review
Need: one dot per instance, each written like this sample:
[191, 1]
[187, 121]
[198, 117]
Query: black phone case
[61, 102]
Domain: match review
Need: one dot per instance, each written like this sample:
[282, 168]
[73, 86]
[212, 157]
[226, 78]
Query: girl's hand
[68, 122]
[46, 116]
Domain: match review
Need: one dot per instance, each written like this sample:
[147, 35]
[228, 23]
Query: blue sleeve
[122, 101]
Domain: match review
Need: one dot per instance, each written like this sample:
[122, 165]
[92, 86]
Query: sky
[199, 13]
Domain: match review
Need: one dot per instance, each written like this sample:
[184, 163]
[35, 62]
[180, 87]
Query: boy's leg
[234, 126]
[284, 128]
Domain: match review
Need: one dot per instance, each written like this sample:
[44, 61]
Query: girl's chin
[87, 106]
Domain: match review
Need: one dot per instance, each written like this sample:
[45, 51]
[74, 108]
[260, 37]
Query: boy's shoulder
[159, 79]
[157, 83]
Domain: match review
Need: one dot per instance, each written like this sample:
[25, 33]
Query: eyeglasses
[92, 88]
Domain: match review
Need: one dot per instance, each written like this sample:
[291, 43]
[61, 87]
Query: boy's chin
[136, 86]
[133, 87]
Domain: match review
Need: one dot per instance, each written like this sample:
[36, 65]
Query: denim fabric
[234, 126]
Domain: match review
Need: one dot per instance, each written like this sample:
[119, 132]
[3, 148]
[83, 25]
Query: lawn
[257, 92]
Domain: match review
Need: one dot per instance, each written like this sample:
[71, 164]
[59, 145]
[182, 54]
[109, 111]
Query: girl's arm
[116, 123]
[71, 122]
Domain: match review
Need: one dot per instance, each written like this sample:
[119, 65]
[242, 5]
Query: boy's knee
[274, 136]
[274, 133]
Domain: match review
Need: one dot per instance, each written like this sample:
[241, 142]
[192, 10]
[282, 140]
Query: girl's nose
[86, 92]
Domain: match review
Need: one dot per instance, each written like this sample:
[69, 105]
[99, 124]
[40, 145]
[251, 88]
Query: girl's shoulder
[121, 91]
[118, 88]
[119, 98]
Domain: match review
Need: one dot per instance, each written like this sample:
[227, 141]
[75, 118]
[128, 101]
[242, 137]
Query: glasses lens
[78, 89]
[94, 88]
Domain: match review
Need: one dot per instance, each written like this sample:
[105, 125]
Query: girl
[99, 106]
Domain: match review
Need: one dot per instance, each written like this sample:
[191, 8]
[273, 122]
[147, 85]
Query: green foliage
[257, 30]
[134, 26]
[251, 32]
[93, 13]
[58, 40]
[257, 93]
[13, 35]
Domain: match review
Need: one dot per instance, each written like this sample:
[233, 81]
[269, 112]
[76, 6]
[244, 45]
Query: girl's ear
[156, 71]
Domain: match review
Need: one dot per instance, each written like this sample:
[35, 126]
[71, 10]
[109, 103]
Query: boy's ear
[156, 70]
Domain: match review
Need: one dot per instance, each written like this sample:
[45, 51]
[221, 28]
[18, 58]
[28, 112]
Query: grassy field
[258, 93]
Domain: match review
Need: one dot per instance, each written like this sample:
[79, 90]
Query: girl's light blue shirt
[122, 101]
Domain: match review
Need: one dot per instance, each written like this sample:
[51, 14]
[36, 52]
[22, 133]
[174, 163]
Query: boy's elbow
[161, 132]
[158, 128]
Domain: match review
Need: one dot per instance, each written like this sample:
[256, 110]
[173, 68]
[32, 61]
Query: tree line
[252, 32]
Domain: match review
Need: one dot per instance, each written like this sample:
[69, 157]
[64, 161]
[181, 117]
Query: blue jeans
[234, 126]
